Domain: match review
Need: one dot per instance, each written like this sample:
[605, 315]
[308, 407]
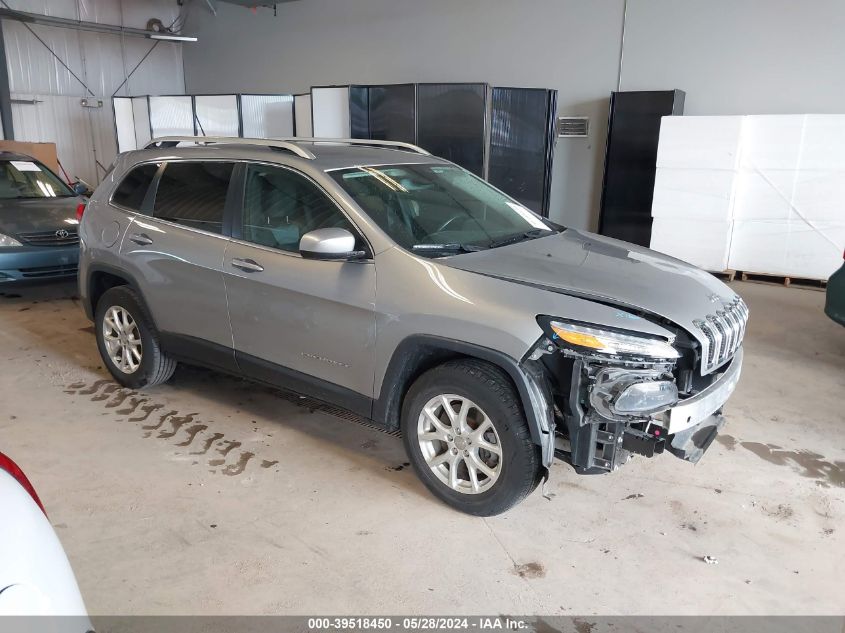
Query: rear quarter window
[134, 186]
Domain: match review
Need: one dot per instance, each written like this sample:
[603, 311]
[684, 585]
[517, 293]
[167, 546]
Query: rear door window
[193, 194]
[132, 190]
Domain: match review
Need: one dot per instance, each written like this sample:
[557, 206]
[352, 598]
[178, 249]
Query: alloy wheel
[122, 339]
[459, 443]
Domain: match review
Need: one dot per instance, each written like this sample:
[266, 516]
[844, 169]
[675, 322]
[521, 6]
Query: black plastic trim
[224, 358]
[351, 256]
[292, 380]
[199, 351]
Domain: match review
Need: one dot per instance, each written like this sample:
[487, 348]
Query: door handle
[140, 238]
[247, 265]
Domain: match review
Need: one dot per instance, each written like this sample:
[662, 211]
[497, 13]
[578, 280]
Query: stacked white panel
[790, 204]
[761, 194]
[694, 185]
[792, 249]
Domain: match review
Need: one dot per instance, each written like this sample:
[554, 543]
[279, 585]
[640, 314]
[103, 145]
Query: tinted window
[436, 208]
[27, 178]
[194, 194]
[281, 206]
[131, 192]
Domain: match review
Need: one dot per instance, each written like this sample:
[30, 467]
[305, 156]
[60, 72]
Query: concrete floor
[208, 495]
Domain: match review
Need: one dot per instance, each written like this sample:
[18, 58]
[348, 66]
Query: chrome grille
[56, 237]
[723, 334]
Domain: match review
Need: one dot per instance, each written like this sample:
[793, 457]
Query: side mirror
[80, 188]
[330, 244]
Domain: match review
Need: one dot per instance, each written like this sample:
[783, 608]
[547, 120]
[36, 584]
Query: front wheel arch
[467, 438]
[418, 353]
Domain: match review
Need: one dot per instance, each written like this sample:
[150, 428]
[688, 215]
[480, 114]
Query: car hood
[591, 266]
[37, 214]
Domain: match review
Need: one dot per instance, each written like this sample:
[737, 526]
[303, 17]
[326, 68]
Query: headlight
[588, 338]
[5, 240]
[621, 393]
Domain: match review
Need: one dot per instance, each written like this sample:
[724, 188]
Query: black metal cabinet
[630, 161]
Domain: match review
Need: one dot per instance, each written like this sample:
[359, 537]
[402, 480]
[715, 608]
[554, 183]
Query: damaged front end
[616, 393]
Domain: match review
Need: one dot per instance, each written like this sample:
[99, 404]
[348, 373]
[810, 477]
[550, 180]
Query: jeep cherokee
[395, 285]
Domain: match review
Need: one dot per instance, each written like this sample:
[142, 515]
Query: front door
[304, 324]
[175, 255]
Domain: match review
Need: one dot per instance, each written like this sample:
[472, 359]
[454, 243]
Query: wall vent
[573, 126]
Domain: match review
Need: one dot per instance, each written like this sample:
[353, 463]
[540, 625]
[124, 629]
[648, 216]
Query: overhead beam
[82, 25]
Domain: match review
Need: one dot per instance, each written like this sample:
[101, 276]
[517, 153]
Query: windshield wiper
[447, 248]
[521, 237]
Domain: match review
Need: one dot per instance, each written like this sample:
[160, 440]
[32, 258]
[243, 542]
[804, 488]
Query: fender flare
[93, 269]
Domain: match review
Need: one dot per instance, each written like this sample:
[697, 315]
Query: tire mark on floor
[119, 398]
[134, 403]
[192, 433]
[147, 409]
[106, 392]
[207, 445]
[182, 430]
[176, 424]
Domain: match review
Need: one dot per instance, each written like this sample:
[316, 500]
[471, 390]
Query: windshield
[29, 179]
[437, 210]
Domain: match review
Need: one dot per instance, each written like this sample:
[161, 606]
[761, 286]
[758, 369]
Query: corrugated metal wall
[46, 96]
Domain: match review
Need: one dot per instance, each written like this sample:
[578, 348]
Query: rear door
[304, 324]
[176, 253]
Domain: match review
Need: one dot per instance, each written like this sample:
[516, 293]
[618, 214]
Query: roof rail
[278, 144]
[360, 141]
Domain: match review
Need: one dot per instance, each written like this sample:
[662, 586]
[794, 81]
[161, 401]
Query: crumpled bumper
[691, 443]
[689, 413]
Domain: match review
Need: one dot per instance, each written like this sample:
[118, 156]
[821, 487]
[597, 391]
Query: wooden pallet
[726, 275]
[784, 280]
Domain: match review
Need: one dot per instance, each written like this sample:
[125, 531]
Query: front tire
[467, 438]
[128, 342]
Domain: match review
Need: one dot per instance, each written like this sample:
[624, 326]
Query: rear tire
[128, 341]
[479, 457]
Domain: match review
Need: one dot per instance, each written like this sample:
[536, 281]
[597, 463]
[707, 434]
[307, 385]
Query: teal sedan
[834, 306]
[39, 218]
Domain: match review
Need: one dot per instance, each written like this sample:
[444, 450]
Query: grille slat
[736, 330]
[61, 270]
[723, 334]
[719, 333]
[59, 237]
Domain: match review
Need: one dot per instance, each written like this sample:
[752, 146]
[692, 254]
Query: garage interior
[211, 495]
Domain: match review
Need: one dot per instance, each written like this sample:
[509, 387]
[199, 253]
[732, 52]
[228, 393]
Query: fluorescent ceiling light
[171, 37]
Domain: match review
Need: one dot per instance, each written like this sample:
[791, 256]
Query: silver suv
[395, 285]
